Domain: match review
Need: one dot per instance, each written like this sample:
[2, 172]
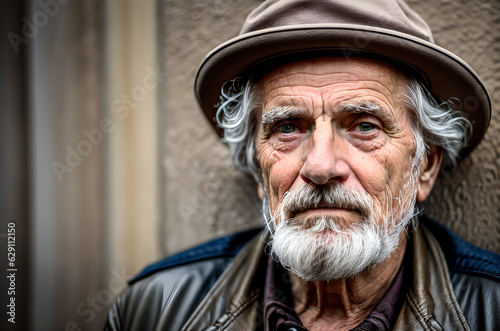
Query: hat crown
[388, 14]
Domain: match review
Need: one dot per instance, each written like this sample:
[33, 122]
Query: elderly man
[343, 111]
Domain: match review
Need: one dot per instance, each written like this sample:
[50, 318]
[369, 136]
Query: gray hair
[438, 123]
[234, 114]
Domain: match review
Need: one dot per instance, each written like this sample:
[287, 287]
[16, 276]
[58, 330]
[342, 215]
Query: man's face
[341, 122]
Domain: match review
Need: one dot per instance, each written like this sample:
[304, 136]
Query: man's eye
[366, 127]
[288, 128]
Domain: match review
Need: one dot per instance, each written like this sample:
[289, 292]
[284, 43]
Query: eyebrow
[277, 114]
[365, 107]
[369, 107]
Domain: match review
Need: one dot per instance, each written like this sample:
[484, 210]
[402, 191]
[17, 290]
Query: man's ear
[260, 191]
[429, 170]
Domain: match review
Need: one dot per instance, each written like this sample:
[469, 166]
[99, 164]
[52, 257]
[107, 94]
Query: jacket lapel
[430, 304]
[240, 286]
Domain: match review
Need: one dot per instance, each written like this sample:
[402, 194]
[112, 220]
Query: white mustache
[331, 195]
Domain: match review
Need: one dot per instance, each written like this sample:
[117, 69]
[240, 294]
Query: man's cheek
[271, 163]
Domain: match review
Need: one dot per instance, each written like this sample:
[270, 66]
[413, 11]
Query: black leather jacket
[216, 286]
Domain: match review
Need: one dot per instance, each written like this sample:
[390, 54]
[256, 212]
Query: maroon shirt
[279, 314]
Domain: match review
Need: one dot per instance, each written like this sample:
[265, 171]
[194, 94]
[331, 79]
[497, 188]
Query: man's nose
[325, 159]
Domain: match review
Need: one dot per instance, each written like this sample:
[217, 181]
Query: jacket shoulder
[227, 246]
[474, 276]
[166, 293]
[464, 257]
[165, 298]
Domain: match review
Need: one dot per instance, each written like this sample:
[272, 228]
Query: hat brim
[445, 74]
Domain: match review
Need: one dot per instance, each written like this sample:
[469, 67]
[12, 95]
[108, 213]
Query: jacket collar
[430, 301]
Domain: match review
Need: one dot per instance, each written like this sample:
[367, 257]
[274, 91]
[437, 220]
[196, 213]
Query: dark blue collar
[462, 256]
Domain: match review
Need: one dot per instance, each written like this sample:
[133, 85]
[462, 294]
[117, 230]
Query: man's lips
[306, 218]
[323, 210]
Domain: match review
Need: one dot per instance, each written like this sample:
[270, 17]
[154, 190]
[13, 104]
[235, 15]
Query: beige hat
[385, 29]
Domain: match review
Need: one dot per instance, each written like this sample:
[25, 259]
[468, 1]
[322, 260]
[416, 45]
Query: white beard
[324, 248]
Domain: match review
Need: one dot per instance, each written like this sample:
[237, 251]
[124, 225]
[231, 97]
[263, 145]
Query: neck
[342, 304]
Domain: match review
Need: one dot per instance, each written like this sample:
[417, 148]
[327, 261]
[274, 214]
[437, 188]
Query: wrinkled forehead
[338, 78]
[342, 69]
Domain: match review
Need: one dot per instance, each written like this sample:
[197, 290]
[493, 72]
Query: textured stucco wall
[204, 196]
[467, 200]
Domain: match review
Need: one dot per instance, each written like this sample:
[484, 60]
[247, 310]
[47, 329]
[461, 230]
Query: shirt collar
[278, 303]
